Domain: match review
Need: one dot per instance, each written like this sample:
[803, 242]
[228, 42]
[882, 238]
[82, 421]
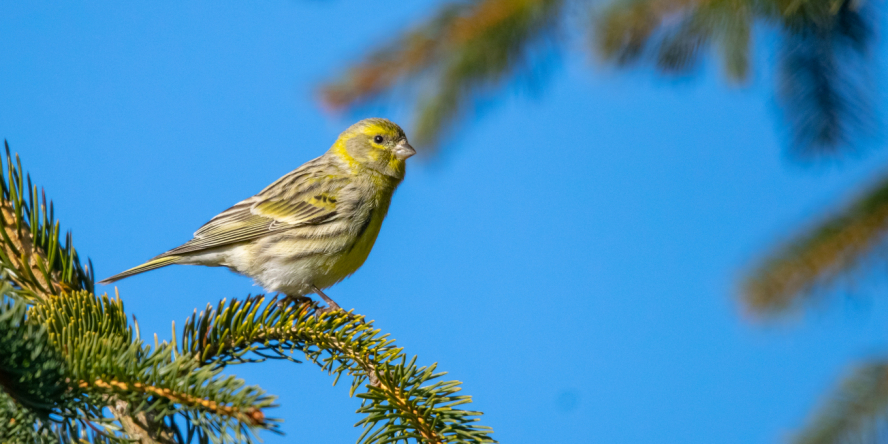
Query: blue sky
[572, 257]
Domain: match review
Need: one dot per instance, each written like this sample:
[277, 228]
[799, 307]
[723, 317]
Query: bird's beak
[403, 150]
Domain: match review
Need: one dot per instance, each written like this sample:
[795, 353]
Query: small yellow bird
[311, 228]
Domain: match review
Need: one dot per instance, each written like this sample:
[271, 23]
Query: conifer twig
[399, 401]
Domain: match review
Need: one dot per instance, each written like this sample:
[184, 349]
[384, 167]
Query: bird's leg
[331, 306]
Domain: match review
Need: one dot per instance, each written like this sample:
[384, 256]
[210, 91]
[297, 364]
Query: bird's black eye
[377, 139]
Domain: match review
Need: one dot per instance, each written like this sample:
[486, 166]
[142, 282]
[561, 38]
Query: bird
[311, 228]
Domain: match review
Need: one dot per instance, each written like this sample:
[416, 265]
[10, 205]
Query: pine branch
[400, 404]
[142, 427]
[627, 28]
[855, 412]
[251, 415]
[31, 255]
[465, 49]
[111, 368]
[102, 358]
[37, 403]
[824, 76]
[107, 359]
[31, 372]
[821, 255]
[824, 66]
[34, 396]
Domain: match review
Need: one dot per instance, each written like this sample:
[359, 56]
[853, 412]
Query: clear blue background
[572, 257]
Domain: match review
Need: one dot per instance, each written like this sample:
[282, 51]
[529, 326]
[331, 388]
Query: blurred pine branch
[836, 248]
[465, 50]
[66, 354]
[842, 247]
[856, 412]
[824, 65]
[469, 49]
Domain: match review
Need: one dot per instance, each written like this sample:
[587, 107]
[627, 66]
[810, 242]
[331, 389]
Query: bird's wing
[293, 201]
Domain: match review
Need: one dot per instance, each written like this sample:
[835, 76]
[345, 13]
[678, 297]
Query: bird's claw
[295, 300]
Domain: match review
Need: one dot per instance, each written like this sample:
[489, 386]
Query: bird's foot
[295, 300]
[336, 311]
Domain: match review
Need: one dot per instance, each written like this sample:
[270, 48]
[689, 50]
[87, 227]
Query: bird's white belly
[293, 277]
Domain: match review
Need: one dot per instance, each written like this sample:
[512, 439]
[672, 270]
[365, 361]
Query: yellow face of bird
[377, 144]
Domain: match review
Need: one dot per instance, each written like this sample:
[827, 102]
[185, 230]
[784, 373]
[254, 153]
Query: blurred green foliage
[467, 50]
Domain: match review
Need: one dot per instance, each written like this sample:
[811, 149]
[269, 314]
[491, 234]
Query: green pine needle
[401, 401]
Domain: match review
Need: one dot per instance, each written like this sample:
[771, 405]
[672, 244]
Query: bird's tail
[147, 266]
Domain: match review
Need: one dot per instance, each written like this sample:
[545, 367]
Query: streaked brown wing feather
[297, 199]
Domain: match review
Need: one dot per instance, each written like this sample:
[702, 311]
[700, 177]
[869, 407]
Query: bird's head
[377, 144]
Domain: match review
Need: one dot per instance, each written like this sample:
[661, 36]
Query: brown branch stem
[142, 427]
[252, 416]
